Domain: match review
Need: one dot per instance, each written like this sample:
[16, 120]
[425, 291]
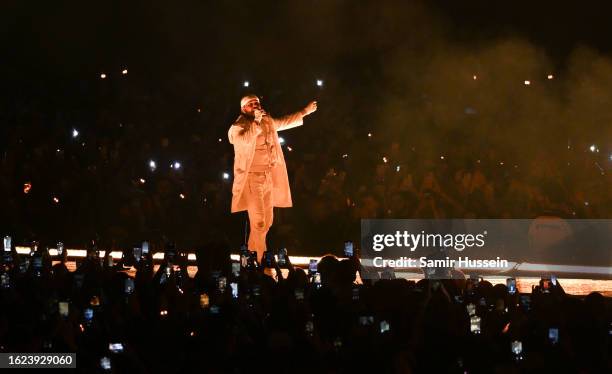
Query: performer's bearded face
[249, 108]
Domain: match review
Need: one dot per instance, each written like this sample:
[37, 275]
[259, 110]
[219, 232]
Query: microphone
[263, 113]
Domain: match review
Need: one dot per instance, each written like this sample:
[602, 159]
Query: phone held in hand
[268, 260]
[64, 308]
[221, 284]
[511, 284]
[282, 257]
[553, 335]
[60, 248]
[316, 279]
[348, 248]
[525, 301]
[475, 325]
[234, 288]
[384, 326]
[137, 252]
[88, 315]
[5, 280]
[7, 243]
[517, 349]
[115, 347]
[145, 247]
[312, 267]
[128, 286]
[252, 260]
[105, 363]
[236, 269]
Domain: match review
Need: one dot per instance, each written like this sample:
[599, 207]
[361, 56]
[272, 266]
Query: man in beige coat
[260, 172]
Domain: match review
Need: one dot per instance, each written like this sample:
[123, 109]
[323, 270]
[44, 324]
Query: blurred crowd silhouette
[245, 316]
[74, 174]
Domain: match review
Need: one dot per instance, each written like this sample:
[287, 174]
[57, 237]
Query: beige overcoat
[243, 134]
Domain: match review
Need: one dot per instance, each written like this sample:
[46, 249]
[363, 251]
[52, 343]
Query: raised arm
[289, 121]
[295, 119]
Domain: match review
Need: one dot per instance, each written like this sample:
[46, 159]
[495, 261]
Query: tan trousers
[260, 209]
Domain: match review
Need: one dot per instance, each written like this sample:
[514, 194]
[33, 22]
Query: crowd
[235, 317]
[124, 170]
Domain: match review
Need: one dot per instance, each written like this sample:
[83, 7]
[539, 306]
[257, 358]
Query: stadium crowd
[235, 317]
[120, 168]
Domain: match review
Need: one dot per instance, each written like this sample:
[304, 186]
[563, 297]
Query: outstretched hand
[310, 108]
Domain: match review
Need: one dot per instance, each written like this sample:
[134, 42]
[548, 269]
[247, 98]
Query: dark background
[400, 70]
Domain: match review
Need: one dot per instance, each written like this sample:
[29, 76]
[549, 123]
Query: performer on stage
[260, 173]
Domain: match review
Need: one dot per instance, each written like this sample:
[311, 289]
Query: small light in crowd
[124, 71]
[204, 200]
[385, 160]
[192, 333]
[83, 144]
[506, 328]
[397, 168]
[55, 200]
[474, 77]
[199, 110]
[142, 180]
[103, 76]
[550, 76]
[289, 149]
[478, 161]
[176, 165]
[610, 157]
[527, 83]
[152, 165]
[319, 82]
[58, 150]
[345, 155]
[27, 187]
[593, 148]
[501, 163]
[245, 83]
[163, 312]
[369, 135]
[281, 140]
[586, 203]
[75, 133]
[441, 157]
[226, 175]
[182, 196]
[220, 140]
